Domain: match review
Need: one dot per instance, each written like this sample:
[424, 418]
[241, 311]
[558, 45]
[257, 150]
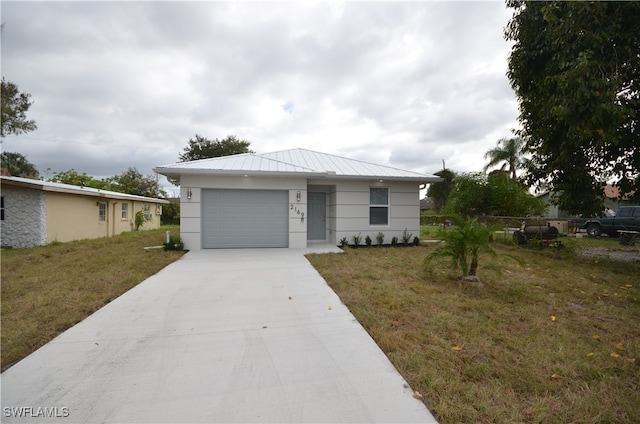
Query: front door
[316, 219]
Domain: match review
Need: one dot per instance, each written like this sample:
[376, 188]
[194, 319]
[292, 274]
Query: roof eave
[417, 179]
[175, 172]
[81, 192]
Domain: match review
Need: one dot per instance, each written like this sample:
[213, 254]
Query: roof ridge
[342, 157]
[281, 161]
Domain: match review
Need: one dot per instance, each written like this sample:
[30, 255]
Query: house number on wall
[297, 211]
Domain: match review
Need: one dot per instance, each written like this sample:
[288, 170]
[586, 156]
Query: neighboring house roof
[610, 191]
[294, 162]
[72, 189]
[613, 192]
[426, 203]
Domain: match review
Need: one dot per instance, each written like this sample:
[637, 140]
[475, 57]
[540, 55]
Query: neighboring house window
[125, 211]
[147, 212]
[102, 212]
[378, 206]
[2, 208]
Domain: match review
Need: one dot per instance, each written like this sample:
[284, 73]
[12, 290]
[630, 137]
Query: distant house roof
[72, 189]
[610, 191]
[426, 203]
[613, 192]
[294, 162]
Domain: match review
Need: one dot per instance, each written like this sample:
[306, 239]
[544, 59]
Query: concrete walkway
[251, 335]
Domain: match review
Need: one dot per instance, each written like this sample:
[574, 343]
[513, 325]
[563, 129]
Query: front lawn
[47, 289]
[554, 338]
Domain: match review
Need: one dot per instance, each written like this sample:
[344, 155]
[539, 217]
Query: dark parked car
[626, 219]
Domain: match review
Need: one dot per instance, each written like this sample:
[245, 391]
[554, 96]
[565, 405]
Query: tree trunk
[474, 266]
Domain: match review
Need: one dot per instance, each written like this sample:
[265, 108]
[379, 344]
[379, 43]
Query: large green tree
[132, 181]
[202, 148]
[74, 178]
[575, 69]
[509, 152]
[476, 194]
[440, 191]
[14, 110]
[17, 165]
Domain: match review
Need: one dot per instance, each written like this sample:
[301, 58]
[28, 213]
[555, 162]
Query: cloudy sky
[126, 84]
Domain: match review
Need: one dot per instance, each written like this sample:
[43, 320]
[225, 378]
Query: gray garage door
[244, 218]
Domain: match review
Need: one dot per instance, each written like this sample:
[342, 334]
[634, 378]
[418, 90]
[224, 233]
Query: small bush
[344, 242]
[406, 237]
[140, 219]
[416, 241]
[380, 239]
[175, 243]
[367, 241]
[394, 241]
[356, 240]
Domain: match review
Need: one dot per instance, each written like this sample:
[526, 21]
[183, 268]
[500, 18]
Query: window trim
[124, 211]
[386, 206]
[102, 212]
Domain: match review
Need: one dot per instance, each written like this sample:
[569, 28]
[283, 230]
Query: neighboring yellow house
[35, 213]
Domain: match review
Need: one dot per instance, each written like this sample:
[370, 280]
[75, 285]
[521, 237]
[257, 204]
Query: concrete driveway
[252, 335]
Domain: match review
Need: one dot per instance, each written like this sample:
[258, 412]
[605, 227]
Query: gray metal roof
[73, 189]
[293, 162]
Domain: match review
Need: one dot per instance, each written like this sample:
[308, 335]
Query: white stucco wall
[348, 210]
[25, 218]
[191, 209]
[347, 206]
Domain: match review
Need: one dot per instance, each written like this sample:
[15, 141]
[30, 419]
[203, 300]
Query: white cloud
[119, 84]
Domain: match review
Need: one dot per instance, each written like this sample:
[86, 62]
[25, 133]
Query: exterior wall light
[298, 195]
[189, 193]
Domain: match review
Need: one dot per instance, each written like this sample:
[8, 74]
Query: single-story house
[291, 198]
[35, 213]
[612, 202]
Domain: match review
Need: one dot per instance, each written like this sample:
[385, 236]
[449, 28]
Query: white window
[378, 206]
[147, 212]
[102, 212]
[125, 211]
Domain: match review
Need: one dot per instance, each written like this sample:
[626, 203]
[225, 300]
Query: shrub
[406, 237]
[416, 241]
[344, 242]
[356, 240]
[367, 241]
[140, 219]
[380, 238]
[174, 243]
[394, 241]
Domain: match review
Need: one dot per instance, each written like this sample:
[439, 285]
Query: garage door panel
[244, 218]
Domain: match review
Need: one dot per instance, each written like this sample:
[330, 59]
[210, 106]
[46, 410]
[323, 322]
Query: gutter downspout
[113, 222]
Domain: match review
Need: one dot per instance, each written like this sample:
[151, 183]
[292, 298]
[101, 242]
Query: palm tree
[508, 151]
[463, 245]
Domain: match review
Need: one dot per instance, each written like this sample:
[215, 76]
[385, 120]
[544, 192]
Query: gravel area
[616, 255]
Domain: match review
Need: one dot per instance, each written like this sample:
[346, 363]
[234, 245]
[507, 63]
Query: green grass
[555, 338]
[429, 231]
[46, 290]
[477, 354]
